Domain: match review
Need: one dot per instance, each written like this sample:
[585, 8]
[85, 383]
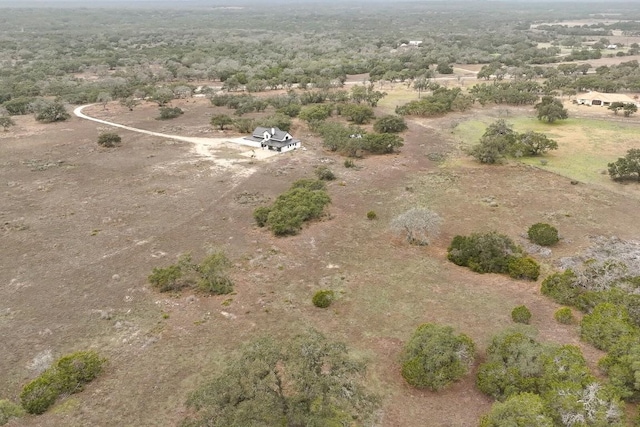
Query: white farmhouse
[273, 139]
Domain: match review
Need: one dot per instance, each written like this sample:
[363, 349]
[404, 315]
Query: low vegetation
[109, 139]
[323, 298]
[543, 234]
[564, 316]
[168, 113]
[9, 410]
[209, 276]
[304, 201]
[521, 314]
[436, 356]
[68, 375]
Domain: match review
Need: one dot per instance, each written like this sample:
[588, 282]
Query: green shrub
[622, 366]
[324, 173]
[524, 268]
[304, 201]
[49, 112]
[348, 163]
[213, 274]
[561, 288]
[67, 375]
[483, 253]
[9, 410]
[390, 124]
[435, 357]
[514, 365]
[520, 410]
[167, 113]
[521, 314]
[209, 276]
[564, 315]
[323, 298]
[166, 279]
[261, 214]
[371, 215]
[109, 139]
[607, 324]
[543, 234]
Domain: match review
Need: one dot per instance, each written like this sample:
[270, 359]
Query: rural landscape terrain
[455, 242]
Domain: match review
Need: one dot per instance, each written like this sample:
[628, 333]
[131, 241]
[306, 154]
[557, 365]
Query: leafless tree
[418, 225]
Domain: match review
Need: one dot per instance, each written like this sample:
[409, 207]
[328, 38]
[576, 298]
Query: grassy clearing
[585, 145]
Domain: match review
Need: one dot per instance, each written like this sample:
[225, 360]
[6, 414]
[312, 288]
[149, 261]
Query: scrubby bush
[213, 274]
[543, 234]
[49, 112]
[561, 287]
[564, 315]
[261, 215]
[324, 173]
[166, 279]
[9, 410]
[521, 314]
[514, 365]
[520, 410]
[435, 357]
[371, 215]
[607, 324]
[622, 366]
[323, 298]
[390, 124]
[381, 143]
[349, 163]
[109, 139]
[525, 268]
[167, 113]
[209, 276]
[484, 252]
[304, 201]
[316, 113]
[67, 375]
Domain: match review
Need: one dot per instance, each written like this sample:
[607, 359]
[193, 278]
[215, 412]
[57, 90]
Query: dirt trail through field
[202, 146]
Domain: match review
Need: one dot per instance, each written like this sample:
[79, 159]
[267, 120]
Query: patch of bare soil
[83, 226]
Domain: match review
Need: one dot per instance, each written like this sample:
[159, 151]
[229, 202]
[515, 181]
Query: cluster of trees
[353, 141]
[440, 101]
[627, 108]
[319, 48]
[492, 253]
[210, 275]
[544, 385]
[627, 167]
[604, 287]
[304, 201]
[500, 140]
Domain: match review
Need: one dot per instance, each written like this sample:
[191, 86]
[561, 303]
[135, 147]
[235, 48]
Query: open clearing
[83, 226]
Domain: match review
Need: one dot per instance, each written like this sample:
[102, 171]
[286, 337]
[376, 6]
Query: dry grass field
[83, 226]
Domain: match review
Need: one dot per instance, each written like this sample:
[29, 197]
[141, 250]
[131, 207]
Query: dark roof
[276, 133]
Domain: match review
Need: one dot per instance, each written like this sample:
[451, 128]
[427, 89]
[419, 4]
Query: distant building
[612, 46]
[415, 42]
[603, 99]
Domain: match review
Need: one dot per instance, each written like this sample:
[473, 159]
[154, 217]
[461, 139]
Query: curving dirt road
[202, 146]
